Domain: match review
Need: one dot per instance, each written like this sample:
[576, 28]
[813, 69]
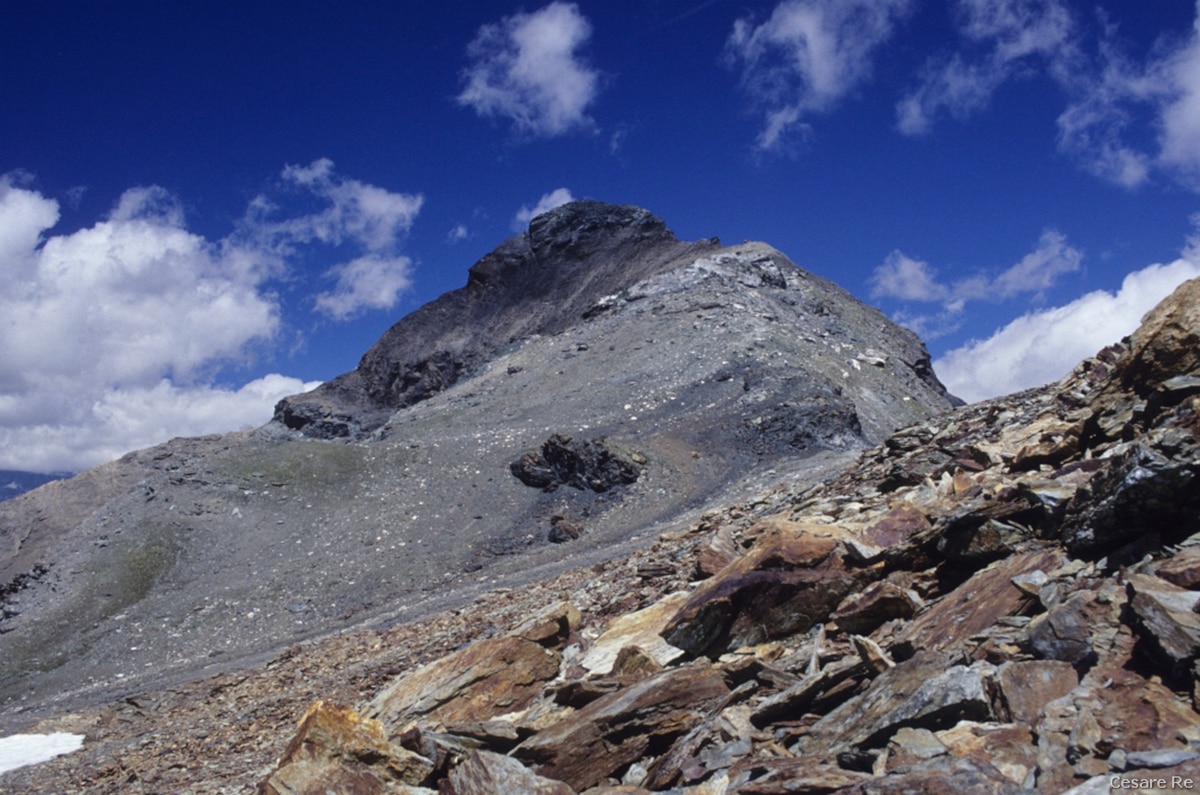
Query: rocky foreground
[1003, 599]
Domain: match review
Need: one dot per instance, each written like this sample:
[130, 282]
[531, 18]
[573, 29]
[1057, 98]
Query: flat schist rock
[573, 262]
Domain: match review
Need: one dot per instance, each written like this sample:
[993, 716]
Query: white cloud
[1039, 269]
[548, 202]
[808, 55]
[1011, 32]
[364, 217]
[1043, 346]
[1180, 116]
[369, 282]
[457, 234]
[908, 279]
[1124, 119]
[111, 334]
[372, 217]
[131, 418]
[527, 68]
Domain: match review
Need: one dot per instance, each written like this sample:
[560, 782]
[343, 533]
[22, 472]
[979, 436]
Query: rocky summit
[998, 598]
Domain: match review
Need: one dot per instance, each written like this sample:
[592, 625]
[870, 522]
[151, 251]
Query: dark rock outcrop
[592, 464]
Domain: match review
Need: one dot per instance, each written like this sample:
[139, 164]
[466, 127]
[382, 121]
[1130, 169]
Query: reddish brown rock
[792, 579]
[604, 737]
[718, 553]
[879, 602]
[899, 524]
[485, 679]
[1010, 748]
[1027, 687]
[1166, 344]
[1123, 712]
[552, 627]
[336, 749]
[1182, 568]
[977, 604]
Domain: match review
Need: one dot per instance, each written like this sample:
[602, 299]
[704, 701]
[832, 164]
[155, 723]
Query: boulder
[932, 690]
[486, 773]
[612, 732]
[791, 579]
[1028, 685]
[860, 613]
[1168, 616]
[976, 604]
[1009, 747]
[594, 465]
[641, 629]
[487, 678]
[336, 749]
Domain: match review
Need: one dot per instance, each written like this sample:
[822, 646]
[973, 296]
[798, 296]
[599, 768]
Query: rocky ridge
[1001, 599]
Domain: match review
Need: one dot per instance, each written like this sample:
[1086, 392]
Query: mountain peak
[537, 282]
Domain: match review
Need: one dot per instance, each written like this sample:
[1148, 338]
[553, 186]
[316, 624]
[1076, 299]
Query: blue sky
[205, 206]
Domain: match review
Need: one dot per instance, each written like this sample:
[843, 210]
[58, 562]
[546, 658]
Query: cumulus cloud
[527, 68]
[907, 279]
[113, 333]
[362, 217]
[808, 55]
[548, 202]
[369, 216]
[370, 282]
[1043, 346]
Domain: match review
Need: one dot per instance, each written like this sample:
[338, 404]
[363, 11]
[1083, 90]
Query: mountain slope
[996, 600]
[594, 341]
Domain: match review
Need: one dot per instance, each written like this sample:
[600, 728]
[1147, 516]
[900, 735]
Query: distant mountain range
[14, 482]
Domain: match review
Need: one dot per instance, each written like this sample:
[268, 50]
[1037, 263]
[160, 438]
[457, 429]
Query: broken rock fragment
[336, 749]
[487, 678]
[612, 732]
[791, 580]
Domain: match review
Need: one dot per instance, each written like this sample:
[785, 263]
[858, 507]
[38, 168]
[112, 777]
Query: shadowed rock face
[707, 371]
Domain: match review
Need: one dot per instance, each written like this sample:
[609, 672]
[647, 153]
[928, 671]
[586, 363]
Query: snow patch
[20, 750]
